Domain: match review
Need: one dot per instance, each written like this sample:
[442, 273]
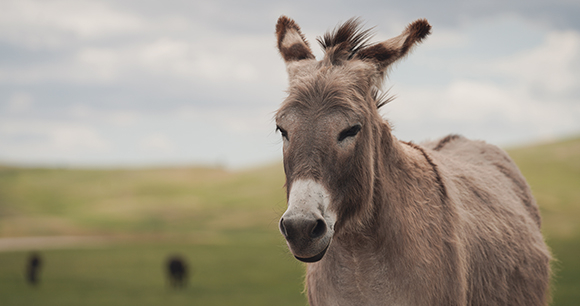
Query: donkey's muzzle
[308, 224]
[298, 229]
[314, 258]
[306, 237]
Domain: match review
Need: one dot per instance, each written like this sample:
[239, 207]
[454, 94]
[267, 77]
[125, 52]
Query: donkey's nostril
[283, 228]
[295, 230]
[318, 229]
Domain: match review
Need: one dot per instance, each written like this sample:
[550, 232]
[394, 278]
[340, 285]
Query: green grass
[66, 201]
[224, 223]
[553, 172]
[237, 273]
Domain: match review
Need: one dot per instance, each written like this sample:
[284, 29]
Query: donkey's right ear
[291, 43]
[392, 50]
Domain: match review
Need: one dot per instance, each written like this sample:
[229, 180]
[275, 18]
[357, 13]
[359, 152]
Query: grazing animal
[33, 266]
[385, 222]
[176, 271]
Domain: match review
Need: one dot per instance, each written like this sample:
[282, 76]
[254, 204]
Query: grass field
[240, 272]
[553, 172]
[224, 223]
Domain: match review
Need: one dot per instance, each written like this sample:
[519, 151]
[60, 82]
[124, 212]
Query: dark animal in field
[33, 265]
[177, 271]
[385, 222]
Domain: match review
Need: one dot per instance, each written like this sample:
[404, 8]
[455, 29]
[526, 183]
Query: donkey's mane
[343, 43]
[345, 40]
[381, 98]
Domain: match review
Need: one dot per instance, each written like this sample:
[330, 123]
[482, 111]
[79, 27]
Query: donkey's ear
[389, 51]
[291, 43]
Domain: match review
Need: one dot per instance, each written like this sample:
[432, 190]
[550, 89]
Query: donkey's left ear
[291, 43]
[389, 51]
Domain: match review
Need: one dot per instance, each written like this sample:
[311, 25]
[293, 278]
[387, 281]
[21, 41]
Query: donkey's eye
[283, 132]
[350, 132]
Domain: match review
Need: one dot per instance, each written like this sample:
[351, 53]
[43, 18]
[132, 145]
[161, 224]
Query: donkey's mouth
[314, 258]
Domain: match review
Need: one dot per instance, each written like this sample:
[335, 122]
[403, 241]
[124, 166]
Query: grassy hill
[139, 201]
[553, 172]
[224, 222]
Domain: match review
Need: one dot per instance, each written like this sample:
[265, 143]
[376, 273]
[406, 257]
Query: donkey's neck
[389, 246]
[406, 180]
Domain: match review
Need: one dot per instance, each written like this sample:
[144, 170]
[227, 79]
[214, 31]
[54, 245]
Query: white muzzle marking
[308, 204]
[309, 198]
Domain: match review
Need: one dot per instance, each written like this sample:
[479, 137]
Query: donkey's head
[331, 128]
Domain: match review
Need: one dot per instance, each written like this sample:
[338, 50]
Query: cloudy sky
[137, 82]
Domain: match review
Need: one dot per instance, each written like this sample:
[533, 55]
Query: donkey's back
[507, 260]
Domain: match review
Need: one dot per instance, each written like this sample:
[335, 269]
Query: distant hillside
[179, 200]
[163, 201]
[553, 172]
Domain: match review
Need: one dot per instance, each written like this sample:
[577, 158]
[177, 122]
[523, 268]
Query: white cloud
[472, 101]
[43, 141]
[446, 38]
[82, 112]
[242, 121]
[537, 102]
[49, 23]
[157, 142]
[201, 84]
[123, 118]
[76, 138]
[20, 102]
[214, 60]
[166, 48]
[476, 102]
[554, 66]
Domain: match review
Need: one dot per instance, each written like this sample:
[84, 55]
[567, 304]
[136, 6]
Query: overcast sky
[109, 83]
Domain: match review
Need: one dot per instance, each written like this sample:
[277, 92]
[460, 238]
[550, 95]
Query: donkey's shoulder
[475, 151]
[477, 160]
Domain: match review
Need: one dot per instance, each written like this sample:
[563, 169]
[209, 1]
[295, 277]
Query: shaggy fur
[294, 47]
[450, 222]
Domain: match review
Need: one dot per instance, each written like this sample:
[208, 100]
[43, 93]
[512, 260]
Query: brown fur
[445, 140]
[296, 51]
[387, 52]
[450, 222]
[344, 42]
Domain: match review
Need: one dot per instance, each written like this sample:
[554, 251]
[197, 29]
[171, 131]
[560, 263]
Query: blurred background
[134, 130]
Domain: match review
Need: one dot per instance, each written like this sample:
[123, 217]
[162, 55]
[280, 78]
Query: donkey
[385, 222]
[176, 268]
[33, 266]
